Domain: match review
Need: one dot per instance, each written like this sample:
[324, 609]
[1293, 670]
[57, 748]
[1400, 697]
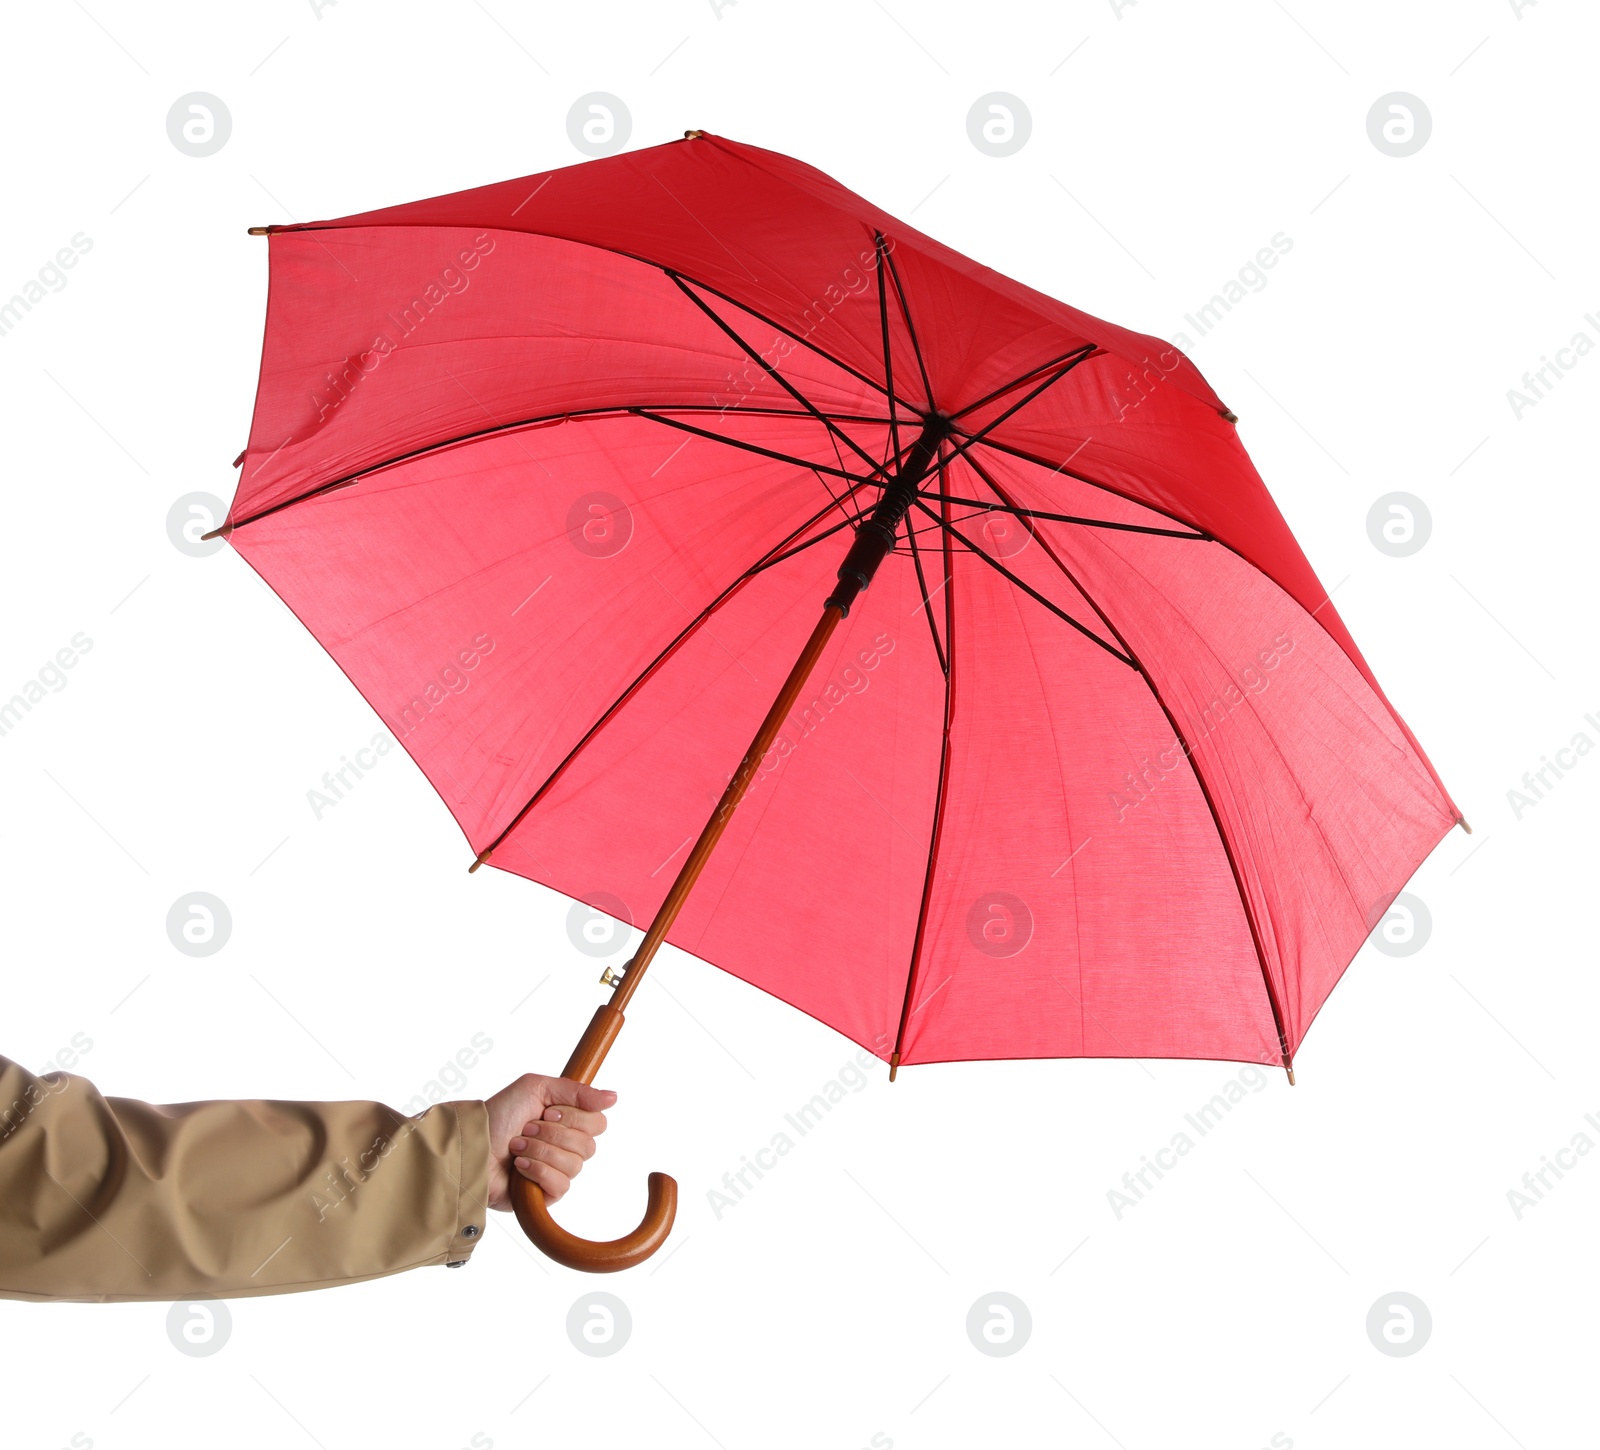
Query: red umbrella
[560, 472]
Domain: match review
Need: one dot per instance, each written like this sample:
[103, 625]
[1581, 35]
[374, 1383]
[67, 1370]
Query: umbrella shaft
[714, 827]
[874, 539]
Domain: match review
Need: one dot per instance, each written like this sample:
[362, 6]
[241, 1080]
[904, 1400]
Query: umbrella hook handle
[533, 1213]
[593, 1256]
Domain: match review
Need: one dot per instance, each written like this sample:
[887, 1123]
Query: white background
[828, 1307]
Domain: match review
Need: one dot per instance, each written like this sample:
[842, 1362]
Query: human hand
[543, 1128]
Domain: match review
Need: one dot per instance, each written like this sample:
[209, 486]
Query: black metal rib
[1026, 513]
[854, 518]
[753, 447]
[888, 361]
[971, 440]
[1016, 382]
[616, 410]
[801, 338]
[905, 312]
[666, 653]
[773, 372]
[1026, 588]
[1200, 780]
[850, 521]
[839, 458]
[927, 603]
[942, 793]
[1067, 471]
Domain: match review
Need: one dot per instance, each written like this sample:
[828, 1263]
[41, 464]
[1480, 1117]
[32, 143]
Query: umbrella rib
[1027, 513]
[839, 458]
[1028, 589]
[888, 361]
[927, 603]
[666, 653]
[1016, 382]
[941, 797]
[752, 447]
[1087, 351]
[614, 410]
[772, 372]
[1072, 473]
[1188, 754]
[847, 522]
[804, 341]
[905, 312]
[819, 468]
[854, 518]
[884, 325]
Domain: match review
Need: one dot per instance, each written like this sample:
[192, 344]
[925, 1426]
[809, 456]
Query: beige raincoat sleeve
[110, 1199]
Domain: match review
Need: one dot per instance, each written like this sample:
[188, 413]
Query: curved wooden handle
[533, 1213]
[591, 1256]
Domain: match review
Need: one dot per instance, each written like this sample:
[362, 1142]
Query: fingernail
[555, 1115]
[518, 1144]
[524, 1163]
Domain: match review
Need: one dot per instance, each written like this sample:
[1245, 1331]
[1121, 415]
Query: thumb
[563, 1090]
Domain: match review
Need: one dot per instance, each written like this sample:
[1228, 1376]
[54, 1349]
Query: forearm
[110, 1199]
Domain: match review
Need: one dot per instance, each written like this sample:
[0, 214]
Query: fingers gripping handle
[592, 1256]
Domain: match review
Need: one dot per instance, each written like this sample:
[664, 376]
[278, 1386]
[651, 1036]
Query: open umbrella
[560, 471]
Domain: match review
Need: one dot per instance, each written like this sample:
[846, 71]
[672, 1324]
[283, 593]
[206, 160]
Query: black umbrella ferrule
[877, 533]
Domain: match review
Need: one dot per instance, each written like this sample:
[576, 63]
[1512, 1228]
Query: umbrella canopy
[559, 471]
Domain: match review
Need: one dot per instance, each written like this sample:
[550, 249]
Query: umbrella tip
[894, 1065]
[1229, 415]
[1462, 822]
[1289, 1068]
[260, 231]
[692, 135]
[222, 531]
[483, 856]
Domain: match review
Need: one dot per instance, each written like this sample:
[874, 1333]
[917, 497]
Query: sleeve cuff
[472, 1179]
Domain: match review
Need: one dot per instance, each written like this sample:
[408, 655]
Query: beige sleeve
[110, 1199]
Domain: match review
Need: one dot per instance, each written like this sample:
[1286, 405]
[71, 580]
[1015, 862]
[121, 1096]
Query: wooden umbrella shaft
[526, 1197]
[874, 539]
[607, 1022]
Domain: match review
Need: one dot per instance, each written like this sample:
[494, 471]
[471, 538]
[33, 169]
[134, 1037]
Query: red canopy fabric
[529, 461]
